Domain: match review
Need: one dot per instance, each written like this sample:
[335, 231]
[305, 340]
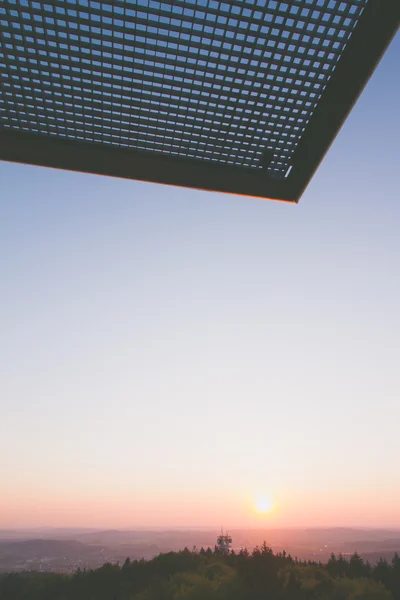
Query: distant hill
[46, 548]
[64, 549]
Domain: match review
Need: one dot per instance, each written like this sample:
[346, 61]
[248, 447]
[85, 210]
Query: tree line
[210, 575]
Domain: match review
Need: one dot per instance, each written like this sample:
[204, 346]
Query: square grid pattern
[232, 82]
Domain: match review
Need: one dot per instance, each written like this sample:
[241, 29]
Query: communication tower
[224, 542]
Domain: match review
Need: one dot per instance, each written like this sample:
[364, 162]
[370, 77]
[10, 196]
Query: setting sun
[263, 505]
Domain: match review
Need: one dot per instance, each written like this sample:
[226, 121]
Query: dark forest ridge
[210, 574]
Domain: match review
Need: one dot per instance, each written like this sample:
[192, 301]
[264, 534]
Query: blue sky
[171, 354]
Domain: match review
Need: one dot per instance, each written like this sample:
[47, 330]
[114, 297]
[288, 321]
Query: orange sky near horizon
[168, 510]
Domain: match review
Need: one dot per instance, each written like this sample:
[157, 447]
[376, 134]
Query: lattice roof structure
[240, 96]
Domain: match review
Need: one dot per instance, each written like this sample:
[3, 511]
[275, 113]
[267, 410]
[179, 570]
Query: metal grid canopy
[224, 95]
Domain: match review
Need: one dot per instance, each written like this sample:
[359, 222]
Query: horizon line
[193, 527]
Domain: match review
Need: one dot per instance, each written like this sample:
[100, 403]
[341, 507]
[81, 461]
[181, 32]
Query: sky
[171, 357]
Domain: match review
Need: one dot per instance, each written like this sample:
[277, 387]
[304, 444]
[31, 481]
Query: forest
[210, 575]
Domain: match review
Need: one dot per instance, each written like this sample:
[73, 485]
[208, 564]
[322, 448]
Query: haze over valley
[65, 550]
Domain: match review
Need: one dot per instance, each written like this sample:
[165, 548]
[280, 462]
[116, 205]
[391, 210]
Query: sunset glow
[263, 505]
